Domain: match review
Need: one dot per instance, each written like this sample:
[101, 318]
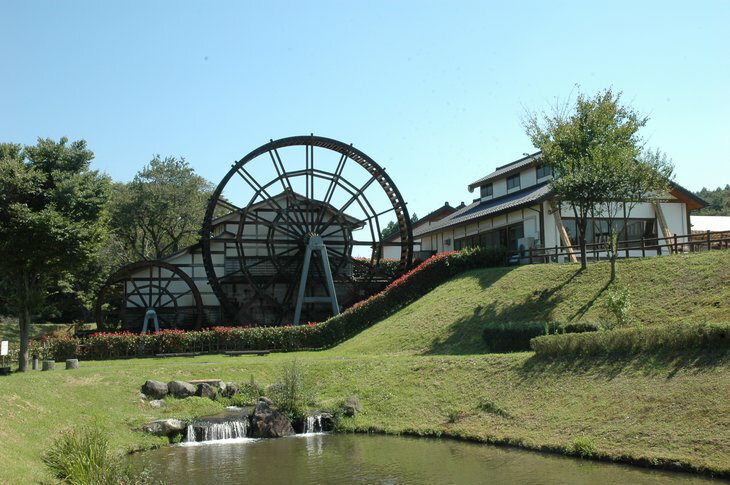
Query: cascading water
[313, 424]
[206, 430]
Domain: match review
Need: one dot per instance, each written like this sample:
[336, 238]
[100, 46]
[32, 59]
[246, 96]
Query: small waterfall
[216, 430]
[313, 424]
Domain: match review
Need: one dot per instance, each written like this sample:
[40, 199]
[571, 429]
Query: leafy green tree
[718, 200]
[598, 158]
[159, 212]
[391, 228]
[52, 222]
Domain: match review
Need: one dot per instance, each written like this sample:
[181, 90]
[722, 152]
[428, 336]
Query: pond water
[347, 458]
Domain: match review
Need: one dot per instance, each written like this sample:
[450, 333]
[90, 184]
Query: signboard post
[4, 352]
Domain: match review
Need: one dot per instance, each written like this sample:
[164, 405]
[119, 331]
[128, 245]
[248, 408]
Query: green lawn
[409, 375]
[449, 320]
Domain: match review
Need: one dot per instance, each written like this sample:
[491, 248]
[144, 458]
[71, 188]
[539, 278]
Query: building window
[544, 171]
[513, 182]
[598, 233]
[486, 190]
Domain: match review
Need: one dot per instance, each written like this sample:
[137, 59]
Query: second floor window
[513, 182]
[544, 171]
[486, 190]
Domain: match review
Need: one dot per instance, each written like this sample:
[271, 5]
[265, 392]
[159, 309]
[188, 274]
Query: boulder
[269, 423]
[154, 389]
[230, 390]
[180, 389]
[351, 407]
[327, 421]
[157, 403]
[165, 427]
[206, 390]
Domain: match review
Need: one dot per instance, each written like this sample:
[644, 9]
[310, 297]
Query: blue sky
[435, 92]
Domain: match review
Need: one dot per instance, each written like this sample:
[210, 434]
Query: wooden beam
[563, 233]
[662, 222]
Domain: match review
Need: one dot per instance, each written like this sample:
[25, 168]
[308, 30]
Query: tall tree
[597, 155]
[160, 211]
[52, 221]
[718, 200]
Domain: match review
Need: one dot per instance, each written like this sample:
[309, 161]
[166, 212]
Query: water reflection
[325, 458]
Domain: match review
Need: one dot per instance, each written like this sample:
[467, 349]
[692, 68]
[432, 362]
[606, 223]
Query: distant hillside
[719, 200]
[449, 319]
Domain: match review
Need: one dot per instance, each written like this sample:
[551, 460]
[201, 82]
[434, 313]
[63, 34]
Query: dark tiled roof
[479, 209]
[505, 170]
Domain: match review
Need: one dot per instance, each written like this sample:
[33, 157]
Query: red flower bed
[396, 295]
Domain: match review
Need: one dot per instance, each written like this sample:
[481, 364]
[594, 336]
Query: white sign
[4, 347]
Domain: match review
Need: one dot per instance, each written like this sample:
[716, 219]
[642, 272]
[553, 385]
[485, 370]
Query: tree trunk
[582, 224]
[24, 322]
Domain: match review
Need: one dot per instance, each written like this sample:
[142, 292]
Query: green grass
[670, 409]
[662, 409]
[450, 319]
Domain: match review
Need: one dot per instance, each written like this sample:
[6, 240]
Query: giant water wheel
[293, 231]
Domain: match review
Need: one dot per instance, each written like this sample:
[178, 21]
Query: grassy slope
[656, 408]
[448, 320]
[652, 409]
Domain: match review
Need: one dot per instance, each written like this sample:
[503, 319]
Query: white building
[515, 210]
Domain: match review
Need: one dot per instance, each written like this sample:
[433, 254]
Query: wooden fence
[632, 248]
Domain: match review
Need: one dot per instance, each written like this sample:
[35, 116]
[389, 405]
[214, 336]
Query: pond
[351, 458]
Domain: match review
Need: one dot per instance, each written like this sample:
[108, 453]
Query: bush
[291, 394]
[583, 447]
[676, 336]
[83, 457]
[619, 304]
[516, 336]
[399, 293]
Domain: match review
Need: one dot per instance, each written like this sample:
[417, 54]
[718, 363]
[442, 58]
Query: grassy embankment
[411, 376]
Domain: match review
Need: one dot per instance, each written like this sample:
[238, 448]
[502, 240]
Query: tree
[598, 158]
[160, 211]
[52, 221]
[718, 200]
[392, 228]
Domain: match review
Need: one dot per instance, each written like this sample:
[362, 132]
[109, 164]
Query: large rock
[165, 427]
[230, 390]
[269, 423]
[351, 407]
[180, 389]
[206, 390]
[154, 389]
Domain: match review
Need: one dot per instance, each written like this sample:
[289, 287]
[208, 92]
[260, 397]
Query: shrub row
[676, 336]
[399, 293]
[516, 336]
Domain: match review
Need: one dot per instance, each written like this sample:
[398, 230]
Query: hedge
[404, 290]
[516, 336]
[676, 336]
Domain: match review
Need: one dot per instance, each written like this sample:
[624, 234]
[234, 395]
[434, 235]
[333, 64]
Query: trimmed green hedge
[406, 289]
[516, 336]
[676, 336]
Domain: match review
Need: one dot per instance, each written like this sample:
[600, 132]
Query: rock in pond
[180, 389]
[206, 390]
[165, 427]
[154, 389]
[269, 423]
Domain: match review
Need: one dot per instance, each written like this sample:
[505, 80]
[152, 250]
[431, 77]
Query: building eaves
[506, 170]
[490, 208]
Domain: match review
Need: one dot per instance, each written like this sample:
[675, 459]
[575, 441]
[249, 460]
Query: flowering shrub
[338, 328]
